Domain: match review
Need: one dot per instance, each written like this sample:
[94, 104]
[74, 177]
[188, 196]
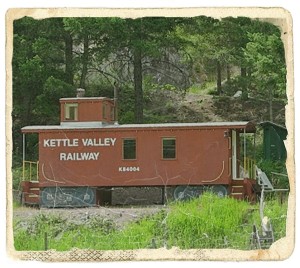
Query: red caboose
[89, 153]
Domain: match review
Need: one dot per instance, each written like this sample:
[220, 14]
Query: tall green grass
[205, 222]
[208, 222]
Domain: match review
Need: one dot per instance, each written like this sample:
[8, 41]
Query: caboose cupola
[81, 111]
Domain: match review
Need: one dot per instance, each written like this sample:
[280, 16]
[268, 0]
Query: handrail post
[30, 164]
[23, 170]
[37, 170]
[245, 154]
[31, 170]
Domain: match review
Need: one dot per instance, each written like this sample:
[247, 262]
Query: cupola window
[71, 111]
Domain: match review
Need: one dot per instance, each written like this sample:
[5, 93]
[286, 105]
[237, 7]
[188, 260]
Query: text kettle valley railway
[84, 142]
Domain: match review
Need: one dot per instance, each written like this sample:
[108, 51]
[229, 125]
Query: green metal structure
[273, 141]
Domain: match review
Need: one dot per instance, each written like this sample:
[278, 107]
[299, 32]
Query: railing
[249, 167]
[30, 171]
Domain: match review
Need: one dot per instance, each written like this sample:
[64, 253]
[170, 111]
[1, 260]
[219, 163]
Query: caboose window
[169, 148]
[129, 149]
[71, 111]
[112, 113]
[104, 110]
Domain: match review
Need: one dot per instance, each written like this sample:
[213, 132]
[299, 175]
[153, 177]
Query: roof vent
[80, 92]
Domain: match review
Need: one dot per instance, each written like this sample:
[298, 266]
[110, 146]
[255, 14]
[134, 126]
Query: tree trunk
[219, 78]
[243, 71]
[228, 72]
[85, 59]
[271, 104]
[138, 85]
[69, 58]
[244, 83]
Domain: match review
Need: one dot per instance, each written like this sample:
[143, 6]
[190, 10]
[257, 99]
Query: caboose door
[234, 154]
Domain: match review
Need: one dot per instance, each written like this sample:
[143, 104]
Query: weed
[204, 222]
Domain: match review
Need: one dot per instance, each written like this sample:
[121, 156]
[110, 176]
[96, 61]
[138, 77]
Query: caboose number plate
[129, 169]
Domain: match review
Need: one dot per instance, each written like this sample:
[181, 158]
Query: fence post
[46, 241]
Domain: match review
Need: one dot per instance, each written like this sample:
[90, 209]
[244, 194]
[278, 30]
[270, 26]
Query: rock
[238, 94]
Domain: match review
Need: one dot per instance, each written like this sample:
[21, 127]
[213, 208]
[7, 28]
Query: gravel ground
[119, 215]
[128, 204]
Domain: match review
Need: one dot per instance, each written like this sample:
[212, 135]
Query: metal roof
[248, 126]
[85, 98]
[267, 123]
[204, 124]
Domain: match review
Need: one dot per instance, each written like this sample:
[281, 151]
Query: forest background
[154, 62]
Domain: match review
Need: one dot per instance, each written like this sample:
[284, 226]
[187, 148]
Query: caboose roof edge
[84, 98]
[249, 126]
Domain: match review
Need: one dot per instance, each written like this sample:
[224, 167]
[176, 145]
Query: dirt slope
[199, 107]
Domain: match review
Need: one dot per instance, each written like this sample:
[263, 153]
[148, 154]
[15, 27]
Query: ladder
[263, 180]
[262, 240]
[265, 238]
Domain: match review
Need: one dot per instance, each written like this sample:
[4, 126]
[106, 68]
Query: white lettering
[60, 142]
[84, 156]
[62, 156]
[84, 142]
[96, 155]
[129, 169]
[52, 143]
[106, 142]
[87, 142]
[113, 140]
[99, 142]
[70, 156]
[75, 142]
[46, 143]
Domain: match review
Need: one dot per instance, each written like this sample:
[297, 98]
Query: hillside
[171, 106]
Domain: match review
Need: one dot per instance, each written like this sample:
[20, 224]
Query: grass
[203, 89]
[205, 222]
[210, 222]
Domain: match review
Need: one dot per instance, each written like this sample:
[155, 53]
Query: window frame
[112, 113]
[162, 147]
[104, 110]
[67, 113]
[123, 148]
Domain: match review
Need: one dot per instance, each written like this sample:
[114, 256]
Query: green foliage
[47, 107]
[126, 105]
[127, 118]
[99, 87]
[271, 167]
[265, 56]
[17, 174]
[276, 211]
[194, 89]
[205, 222]
[209, 222]
[60, 232]
[203, 88]
[52, 57]
[150, 118]
[238, 83]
